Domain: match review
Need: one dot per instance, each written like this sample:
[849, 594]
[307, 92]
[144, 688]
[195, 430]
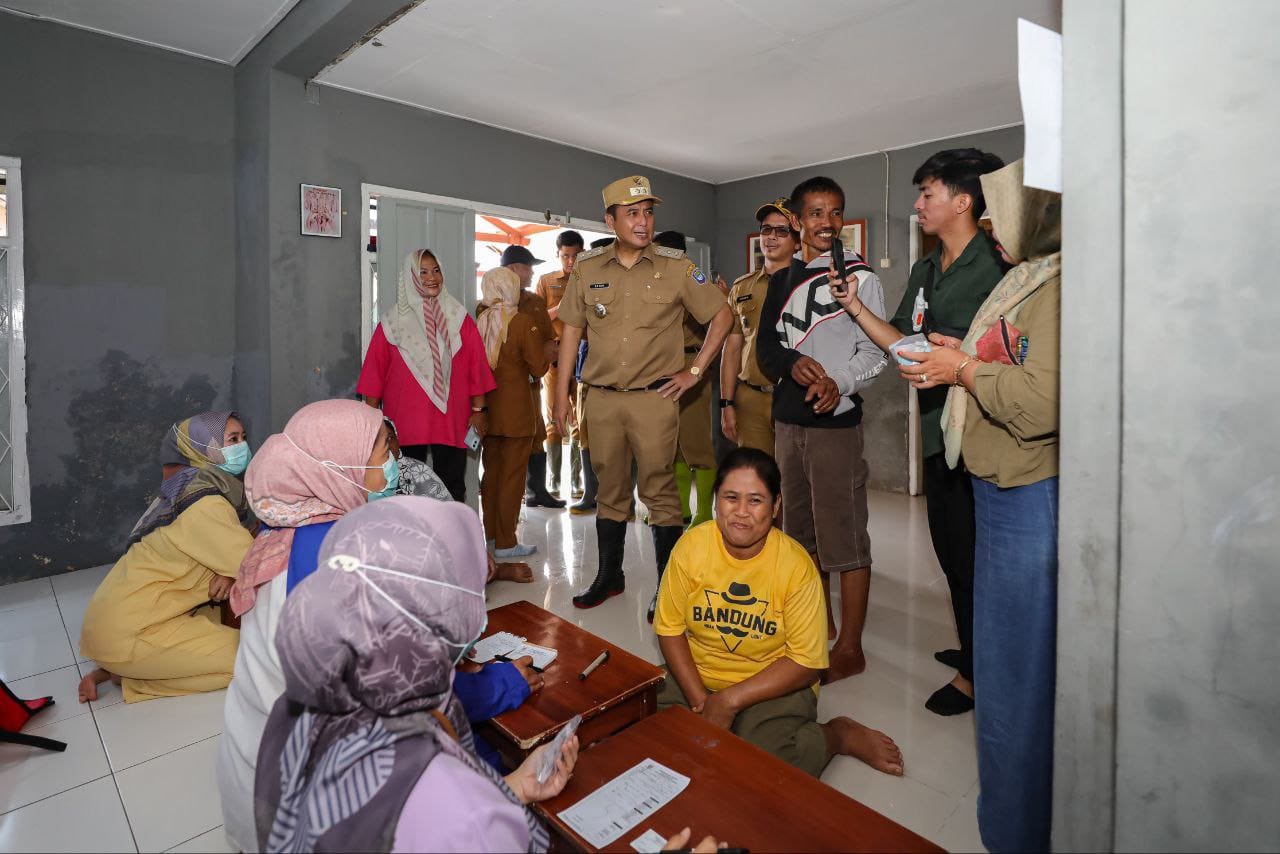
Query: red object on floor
[15, 712]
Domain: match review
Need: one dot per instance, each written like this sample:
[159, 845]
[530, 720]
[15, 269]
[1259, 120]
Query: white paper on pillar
[1040, 84]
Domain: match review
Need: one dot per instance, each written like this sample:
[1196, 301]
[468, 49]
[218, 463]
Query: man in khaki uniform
[746, 410]
[632, 297]
[550, 287]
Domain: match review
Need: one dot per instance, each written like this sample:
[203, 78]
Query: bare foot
[89, 684]
[861, 742]
[964, 686]
[844, 663]
[514, 571]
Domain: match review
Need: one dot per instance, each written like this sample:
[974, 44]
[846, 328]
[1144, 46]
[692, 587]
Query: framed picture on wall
[854, 236]
[321, 211]
[755, 253]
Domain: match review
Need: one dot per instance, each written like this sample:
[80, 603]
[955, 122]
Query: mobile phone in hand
[837, 260]
[473, 439]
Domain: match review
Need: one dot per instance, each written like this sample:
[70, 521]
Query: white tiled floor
[141, 776]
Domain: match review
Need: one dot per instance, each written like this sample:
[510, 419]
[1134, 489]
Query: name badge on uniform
[601, 311]
[598, 285]
[744, 298]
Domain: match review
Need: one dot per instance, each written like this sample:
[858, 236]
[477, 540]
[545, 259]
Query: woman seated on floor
[369, 689]
[742, 627]
[331, 458]
[145, 625]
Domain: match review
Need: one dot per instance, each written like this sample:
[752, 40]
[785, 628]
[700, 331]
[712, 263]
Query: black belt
[760, 388]
[653, 386]
[689, 350]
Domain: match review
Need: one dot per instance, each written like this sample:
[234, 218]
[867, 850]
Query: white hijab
[428, 331]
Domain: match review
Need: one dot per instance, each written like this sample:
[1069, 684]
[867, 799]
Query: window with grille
[15, 481]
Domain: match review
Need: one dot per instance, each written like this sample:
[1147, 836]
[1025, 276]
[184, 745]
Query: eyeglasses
[779, 230]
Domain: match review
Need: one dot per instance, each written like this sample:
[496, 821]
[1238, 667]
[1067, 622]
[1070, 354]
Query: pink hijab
[312, 472]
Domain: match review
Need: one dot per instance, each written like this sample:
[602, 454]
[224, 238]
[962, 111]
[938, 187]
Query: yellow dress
[138, 624]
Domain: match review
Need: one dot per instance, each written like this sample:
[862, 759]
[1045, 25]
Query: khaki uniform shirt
[635, 317]
[746, 298]
[513, 405]
[551, 288]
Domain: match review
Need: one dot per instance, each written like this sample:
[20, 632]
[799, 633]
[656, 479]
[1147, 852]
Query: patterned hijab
[500, 297]
[309, 473]
[428, 330]
[196, 445]
[1028, 224]
[367, 645]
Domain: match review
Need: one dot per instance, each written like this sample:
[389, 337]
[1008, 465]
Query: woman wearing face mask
[184, 552]
[368, 693]
[426, 369]
[332, 457]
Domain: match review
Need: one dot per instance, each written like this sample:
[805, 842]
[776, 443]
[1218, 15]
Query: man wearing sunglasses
[746, 404]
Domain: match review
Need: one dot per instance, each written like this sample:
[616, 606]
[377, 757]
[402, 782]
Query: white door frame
[368, 191]
[915, 453]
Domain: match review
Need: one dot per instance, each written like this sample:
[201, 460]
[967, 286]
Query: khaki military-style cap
[628, 191]
[778, 205]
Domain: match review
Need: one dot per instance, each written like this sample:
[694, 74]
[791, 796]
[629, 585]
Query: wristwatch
[695, 370]
[478, 409]
[725, 402]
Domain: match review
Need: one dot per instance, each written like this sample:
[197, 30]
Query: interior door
[449, 232]
[700, 254]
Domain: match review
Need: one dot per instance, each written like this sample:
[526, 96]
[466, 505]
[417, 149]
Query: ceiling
[712, 89]
[221, 30]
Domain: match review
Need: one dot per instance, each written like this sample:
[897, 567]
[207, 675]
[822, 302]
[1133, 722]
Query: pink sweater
[418, 422]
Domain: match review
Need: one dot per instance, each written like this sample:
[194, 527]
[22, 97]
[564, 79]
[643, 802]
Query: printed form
[625, 801]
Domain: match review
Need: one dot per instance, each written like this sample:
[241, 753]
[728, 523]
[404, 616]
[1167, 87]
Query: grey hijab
[367, 645]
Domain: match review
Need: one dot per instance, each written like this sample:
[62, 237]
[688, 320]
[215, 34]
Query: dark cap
[778, 205]
[519, 255]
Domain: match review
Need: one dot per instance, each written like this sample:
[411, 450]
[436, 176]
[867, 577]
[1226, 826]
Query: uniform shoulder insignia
[668, 253]
[592, 253]
[743, 277]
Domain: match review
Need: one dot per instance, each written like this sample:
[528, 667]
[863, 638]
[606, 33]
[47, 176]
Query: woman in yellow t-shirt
[742, 626]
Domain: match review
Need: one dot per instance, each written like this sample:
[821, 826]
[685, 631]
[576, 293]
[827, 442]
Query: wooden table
[737, 793]
[620, 692]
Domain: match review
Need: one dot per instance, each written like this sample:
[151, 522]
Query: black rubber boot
[555, 458]
[588, 502]
[664, 540]
[536, 485]
[611, 540]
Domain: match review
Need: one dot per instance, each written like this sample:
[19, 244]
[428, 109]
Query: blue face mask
[236, 458]
[391, 471]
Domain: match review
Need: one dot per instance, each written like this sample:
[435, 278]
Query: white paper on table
[649, 842]
[625, 801]
[1040, 85]
[496, 644]
[542, 655]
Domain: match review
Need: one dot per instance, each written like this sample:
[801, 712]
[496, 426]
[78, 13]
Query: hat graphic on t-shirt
[739, 594]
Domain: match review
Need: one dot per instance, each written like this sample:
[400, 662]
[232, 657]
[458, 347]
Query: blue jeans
[1015, 595]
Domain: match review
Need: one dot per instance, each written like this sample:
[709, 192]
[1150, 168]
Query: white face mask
[349, 563]
[337, 468]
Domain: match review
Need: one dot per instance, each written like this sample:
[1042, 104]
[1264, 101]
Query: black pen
[600, 659]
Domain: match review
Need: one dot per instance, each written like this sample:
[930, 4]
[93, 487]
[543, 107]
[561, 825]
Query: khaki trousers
[506, 462]
[786, 727]
[549, 384]
[755, 418]
[643, 424]
[695, 449]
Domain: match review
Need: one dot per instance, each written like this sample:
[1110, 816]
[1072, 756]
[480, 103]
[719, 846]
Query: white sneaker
[518, 550]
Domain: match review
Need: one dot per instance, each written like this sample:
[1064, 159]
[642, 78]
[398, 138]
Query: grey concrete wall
[863, 180]
[1170, 479]
[127, 162]
[346, 139]
[1198, 693]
